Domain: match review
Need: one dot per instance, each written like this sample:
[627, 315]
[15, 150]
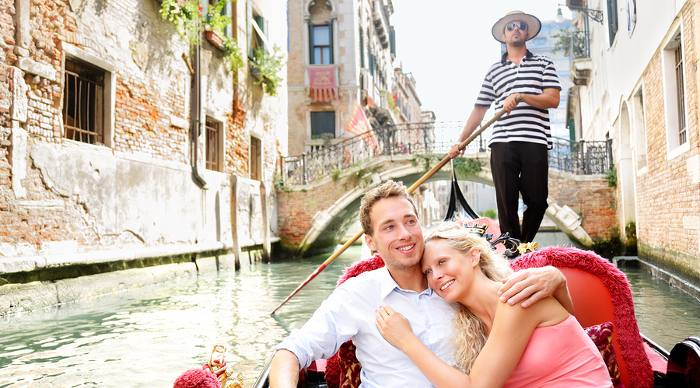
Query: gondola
[600, 293]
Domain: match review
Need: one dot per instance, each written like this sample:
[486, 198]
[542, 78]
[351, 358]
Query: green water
[147, 337]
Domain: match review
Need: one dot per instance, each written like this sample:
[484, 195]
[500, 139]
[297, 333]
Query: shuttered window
[612, 20]
[255, 159]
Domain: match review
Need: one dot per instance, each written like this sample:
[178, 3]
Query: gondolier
[525, 85]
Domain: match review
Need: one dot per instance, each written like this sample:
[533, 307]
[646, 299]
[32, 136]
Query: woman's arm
[509, 336]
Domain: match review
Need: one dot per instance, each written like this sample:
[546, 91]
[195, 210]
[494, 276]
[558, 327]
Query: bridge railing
[582, 157]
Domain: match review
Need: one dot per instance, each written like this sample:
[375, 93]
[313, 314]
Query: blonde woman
[498, 344]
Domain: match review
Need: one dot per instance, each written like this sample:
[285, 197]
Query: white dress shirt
[349, 313]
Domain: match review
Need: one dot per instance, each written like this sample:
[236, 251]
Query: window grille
[83, 102]
[680, 94]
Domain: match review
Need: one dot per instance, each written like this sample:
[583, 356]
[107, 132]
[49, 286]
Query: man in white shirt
[389, 220]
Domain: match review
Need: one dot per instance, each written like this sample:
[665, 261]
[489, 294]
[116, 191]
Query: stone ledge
[672, 279]
[11, 265]
[26, 297]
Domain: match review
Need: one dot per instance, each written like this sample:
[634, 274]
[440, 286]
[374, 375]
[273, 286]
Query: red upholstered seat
[600, 293]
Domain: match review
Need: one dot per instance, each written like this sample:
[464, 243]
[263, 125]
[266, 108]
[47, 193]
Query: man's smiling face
[396, 233]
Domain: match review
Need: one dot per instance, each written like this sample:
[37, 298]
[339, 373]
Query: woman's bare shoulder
[545, 312]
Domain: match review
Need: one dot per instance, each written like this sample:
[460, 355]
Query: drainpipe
[196, 118]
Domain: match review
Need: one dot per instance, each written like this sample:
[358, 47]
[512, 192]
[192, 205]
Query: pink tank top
[561, 355]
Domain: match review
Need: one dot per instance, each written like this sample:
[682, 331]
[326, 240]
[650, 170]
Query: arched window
[320, 33]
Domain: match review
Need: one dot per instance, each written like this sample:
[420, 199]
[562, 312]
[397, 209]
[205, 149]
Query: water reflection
[665, 314]
[147, 337]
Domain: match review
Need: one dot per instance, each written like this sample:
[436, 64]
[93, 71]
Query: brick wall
[667, 196]
[142, 123]
[38, 217]
[139, 189]
[296, 209]
[591, 198]
[237, 137]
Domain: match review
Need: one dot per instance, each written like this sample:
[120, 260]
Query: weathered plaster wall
[137, 188]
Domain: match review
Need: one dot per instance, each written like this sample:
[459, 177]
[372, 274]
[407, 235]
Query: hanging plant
[185, 15]
[266, 68]
[232, 54]
[191, 23]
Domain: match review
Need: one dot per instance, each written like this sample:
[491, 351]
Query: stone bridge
[320, 197]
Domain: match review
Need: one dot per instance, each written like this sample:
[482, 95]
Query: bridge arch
[331, 222]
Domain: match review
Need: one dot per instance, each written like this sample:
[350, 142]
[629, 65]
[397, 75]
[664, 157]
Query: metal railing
[583, 157]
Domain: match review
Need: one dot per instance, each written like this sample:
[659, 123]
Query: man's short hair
[388, 189]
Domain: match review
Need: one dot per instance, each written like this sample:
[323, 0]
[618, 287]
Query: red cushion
[601, 335]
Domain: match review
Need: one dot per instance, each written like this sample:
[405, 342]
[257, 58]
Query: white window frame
[640, 130]
[671, 118]
[260, 160]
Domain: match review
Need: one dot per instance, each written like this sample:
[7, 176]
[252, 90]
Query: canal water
[146, 337]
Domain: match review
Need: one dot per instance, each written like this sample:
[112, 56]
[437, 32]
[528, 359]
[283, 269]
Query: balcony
[580, 54]
[381, 23]
[581, 69]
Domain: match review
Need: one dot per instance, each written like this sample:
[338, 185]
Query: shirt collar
[388, 284]
[504, 57]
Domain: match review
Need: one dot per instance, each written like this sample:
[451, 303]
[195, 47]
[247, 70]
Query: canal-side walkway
[39, 281]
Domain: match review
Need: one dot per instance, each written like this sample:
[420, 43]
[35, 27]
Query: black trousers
[520, 168]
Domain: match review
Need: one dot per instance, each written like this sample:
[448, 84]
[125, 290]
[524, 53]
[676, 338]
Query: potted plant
[187, 17]
[266, 67]
[215, 24]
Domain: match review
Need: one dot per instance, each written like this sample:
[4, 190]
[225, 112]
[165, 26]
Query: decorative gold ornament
[524, 248]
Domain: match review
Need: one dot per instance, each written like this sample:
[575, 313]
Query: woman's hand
[394, 327]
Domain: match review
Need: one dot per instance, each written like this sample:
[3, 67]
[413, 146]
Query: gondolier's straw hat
[533, 25]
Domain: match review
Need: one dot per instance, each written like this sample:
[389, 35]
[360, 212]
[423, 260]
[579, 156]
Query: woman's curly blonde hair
[471, 332]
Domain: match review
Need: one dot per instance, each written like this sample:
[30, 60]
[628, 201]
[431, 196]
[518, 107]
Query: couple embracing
[445, 311]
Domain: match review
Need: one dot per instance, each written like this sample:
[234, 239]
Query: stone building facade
[349, 44]
[100, 146]
[638, 84]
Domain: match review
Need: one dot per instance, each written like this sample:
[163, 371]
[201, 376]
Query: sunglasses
[512, 25]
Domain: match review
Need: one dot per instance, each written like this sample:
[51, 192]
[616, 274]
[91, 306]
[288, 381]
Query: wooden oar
[410, 190]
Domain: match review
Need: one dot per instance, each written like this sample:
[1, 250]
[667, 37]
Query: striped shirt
[524, 123]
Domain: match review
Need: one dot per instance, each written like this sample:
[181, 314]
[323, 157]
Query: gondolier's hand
[528, 286]
[394, 327]
[455, 151]
[511, 102]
